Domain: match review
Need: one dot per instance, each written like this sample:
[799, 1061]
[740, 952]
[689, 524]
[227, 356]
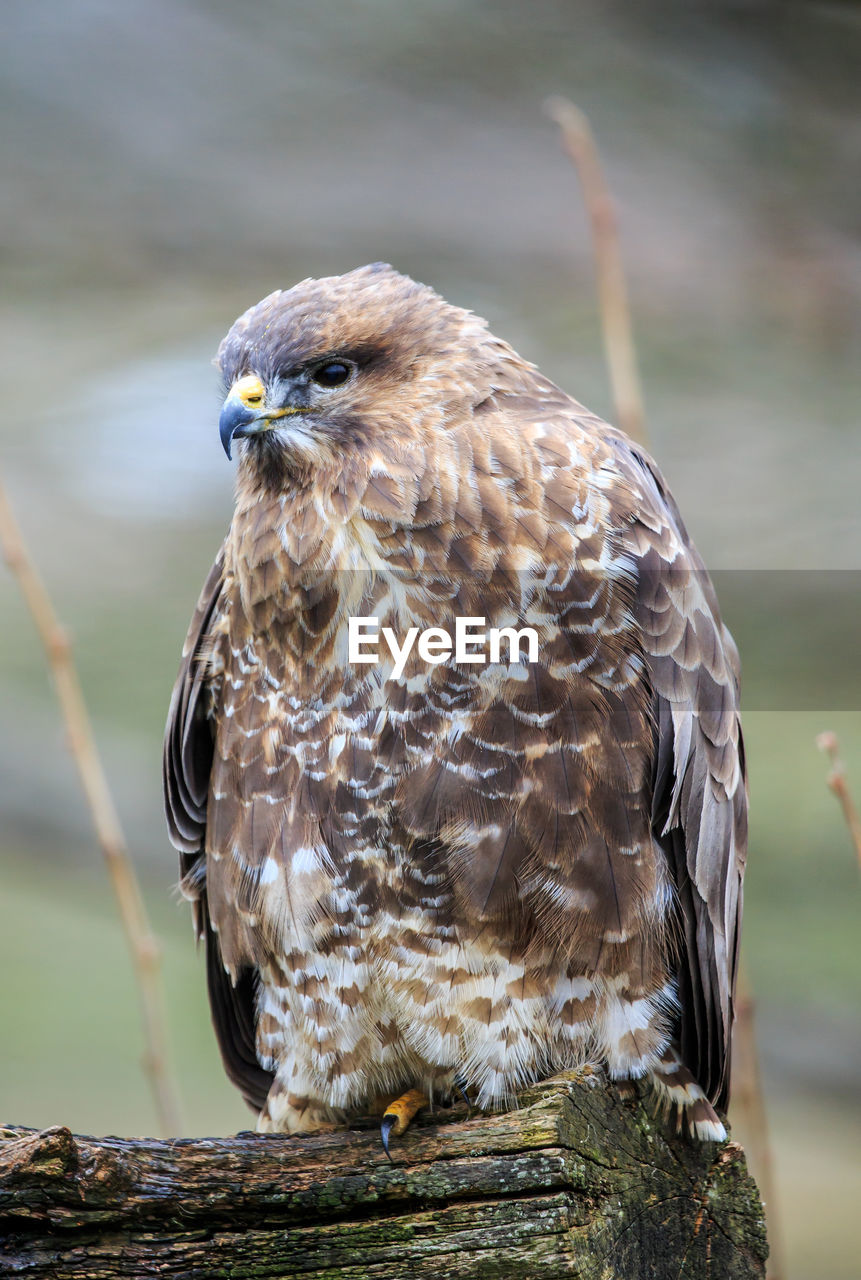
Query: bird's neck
[304, 547]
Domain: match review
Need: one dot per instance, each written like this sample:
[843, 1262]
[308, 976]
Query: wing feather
[188, 754]
[699, 798]
[188, 736]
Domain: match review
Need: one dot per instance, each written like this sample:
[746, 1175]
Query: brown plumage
[484, 873]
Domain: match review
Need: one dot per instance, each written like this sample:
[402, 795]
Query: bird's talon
[460, 1085]
[388, 1123]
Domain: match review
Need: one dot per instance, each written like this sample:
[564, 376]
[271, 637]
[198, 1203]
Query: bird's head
[332, 370]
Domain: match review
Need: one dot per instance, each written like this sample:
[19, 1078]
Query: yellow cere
[249, 390]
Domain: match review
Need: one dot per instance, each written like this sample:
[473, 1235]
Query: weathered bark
[576, 1183]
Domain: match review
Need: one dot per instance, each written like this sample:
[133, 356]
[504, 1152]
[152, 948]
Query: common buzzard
[463, 873]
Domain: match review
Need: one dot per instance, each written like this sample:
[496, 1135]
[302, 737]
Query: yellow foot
[398, 1114]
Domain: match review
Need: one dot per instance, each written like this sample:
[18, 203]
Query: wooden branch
[142, 944]
[619, 347]
[577, 1182]
[828, 743]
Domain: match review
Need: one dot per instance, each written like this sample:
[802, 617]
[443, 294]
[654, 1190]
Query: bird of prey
[452, 872]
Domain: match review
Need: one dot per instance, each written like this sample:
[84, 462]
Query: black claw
[461, 1088]
[386, 1127]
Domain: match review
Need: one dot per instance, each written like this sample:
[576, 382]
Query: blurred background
[165, 165]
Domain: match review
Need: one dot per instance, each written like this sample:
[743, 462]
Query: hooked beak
[244, 412]
[237, 421]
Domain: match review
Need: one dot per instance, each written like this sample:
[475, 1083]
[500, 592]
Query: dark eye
[332, 374]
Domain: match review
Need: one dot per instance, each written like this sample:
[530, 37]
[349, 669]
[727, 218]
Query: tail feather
[683, 1101]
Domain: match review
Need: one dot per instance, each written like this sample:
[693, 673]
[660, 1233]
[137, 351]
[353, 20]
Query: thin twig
[828, 743]
[619, 347]
[748, 1099]
[142, 944]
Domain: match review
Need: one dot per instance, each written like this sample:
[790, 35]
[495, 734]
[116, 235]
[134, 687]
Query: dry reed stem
[142, 944]
[828, 743]
[748, 1098]
[579, 142]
